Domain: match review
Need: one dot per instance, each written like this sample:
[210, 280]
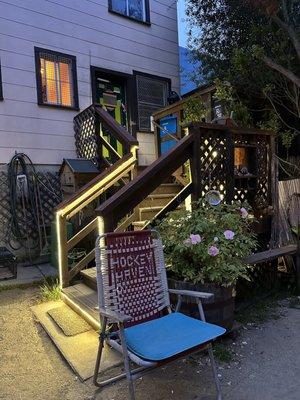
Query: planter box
[219, 310]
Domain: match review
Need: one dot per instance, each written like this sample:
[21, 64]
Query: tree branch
[288, 74]
[290, 31]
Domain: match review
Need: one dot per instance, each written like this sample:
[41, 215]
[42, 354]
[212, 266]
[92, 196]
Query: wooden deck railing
[208, 151]
[131, 195]
[100, 138]
[88, 193]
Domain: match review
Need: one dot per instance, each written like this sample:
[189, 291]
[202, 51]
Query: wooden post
[110, 223]
[195, 164]
[230, 167]
[273, 192]
[63, 251]
[156, 139]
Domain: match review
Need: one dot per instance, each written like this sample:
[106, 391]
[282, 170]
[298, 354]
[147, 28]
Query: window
[1, 90]
[135, 9]
[152, 94]
[56, 79]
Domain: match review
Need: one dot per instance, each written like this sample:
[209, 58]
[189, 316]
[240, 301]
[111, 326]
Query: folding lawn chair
[135, 312]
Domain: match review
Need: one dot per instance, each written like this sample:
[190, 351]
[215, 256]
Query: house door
[110, 92]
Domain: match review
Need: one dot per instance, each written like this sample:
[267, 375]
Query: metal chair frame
[117, 339]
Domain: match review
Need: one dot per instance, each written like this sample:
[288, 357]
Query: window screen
[57, 84]
[152, 94]
[136, 9]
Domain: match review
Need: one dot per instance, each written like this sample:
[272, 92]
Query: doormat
[68, 320]
[80, 351]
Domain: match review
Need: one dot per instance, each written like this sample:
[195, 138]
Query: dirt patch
[30, 366]
[265, 363]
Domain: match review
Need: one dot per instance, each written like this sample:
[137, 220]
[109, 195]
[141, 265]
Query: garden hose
[27, 217]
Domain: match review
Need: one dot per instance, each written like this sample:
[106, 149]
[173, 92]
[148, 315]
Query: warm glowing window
[56, 79]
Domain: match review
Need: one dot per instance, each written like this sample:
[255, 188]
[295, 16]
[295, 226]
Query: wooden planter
[219, 310]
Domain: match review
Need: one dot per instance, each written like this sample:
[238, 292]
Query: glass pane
[136, 9]
[50, 82]
[65, 84]
[119, 6]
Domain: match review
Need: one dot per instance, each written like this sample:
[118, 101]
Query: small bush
[51, 290]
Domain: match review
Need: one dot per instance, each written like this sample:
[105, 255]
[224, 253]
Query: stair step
[158, 199]
[84, 300]
[139, 225]
[168, 188]
[147, 213]
[89, 277]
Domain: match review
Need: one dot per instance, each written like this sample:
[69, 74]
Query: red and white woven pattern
[131, 275]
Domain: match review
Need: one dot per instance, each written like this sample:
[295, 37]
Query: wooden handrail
[153, 176]
[85, 189]
[79, 200]
[178, 106]
[119, 132]
[234, 130]
[96, 187]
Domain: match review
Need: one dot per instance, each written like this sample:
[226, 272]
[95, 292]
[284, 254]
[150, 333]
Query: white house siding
[87, 30]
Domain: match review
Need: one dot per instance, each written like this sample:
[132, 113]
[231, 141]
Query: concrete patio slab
[30, 275]
[80, 350]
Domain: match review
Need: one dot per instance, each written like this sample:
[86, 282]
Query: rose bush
[208, 244]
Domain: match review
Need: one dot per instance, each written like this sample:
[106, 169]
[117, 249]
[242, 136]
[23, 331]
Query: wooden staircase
[82, 296]
[129, 201]
[154, 203]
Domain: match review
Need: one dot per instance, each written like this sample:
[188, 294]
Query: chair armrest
[105, 312]
[191, 293]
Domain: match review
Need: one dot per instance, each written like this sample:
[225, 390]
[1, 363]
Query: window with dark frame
[1, 89]
[56, 79]
[134, 9]
[151, 93]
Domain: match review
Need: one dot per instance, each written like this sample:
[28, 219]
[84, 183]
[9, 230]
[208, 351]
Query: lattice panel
[86, 136]
[215, 155]
[259, 196]
[48, 195]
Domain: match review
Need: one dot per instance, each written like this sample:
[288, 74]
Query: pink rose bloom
[195, 239]
[213, 251]
[244, 212]
[229, 235]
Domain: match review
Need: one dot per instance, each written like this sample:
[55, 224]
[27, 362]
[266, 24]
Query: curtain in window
[57, 87]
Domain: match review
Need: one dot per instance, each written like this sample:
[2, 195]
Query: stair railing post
[62, 250]
[195, 164]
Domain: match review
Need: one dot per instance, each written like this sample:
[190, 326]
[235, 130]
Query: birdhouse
[75, 173]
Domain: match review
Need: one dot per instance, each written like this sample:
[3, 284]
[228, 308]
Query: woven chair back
[131, 275]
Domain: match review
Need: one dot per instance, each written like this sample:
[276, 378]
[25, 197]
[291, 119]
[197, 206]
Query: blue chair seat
[168, 336]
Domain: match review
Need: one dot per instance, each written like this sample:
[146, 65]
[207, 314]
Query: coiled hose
[26, 209]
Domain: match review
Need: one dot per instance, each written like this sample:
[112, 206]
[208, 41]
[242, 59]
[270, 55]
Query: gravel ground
[265, 363]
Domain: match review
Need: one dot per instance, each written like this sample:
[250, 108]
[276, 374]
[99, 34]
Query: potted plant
[205, 250]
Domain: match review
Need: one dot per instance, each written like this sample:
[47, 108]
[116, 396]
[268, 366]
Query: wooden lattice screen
[216, 163]
[50, 197]
[259, 193]
[219, 150]
[86, 138]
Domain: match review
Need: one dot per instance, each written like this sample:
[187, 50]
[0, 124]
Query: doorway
[109, 89]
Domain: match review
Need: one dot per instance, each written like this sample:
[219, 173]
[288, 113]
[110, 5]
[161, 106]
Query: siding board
[112, 56]
[87, 30]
